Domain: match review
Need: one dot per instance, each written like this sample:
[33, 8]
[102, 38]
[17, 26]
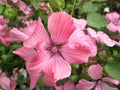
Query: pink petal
[108, 79]
[4, 81]
[57, 68]
[17, 35]
[50, 82]
[104, 38]
[13, 84]
[60, 26]
[80, 23]
[78, 55]
[69, 86]
[112, 16]
[34, 76]
[79, 48]
[30, 27]
[5, 39]
[111, 27]
[14, 1]
[95, 71]
[3, 28]
[79, 38]
[92, 33]
[26, 53]
[38, 35]
[85, 85]
[102, 86]
[39, 61]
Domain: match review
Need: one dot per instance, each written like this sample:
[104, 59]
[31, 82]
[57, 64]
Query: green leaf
[1, 8]
[96, 20]
[57, 4]
[90, 7]
[35, 3]
[113, 70]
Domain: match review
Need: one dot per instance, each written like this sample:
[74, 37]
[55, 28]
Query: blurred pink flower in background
[4, 81]
[4, 34]
[102, 37]
[3, 2]
[14, 1]
[27, 10]
[95, 72]
[114, 19]
[44, 7]
[21, 34]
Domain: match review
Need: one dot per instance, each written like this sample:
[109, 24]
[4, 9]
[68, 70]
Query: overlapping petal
[38, 35]
[57, 68]
[78, 48]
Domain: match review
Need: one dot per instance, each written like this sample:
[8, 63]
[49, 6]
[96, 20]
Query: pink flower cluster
[4, 34]
[51, 52]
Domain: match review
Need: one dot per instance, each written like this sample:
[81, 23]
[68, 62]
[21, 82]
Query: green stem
[72, 12]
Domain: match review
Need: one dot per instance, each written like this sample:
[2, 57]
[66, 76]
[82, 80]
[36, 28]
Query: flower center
[54, 49]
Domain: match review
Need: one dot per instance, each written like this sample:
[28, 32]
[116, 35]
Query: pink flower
[3, 2]
[56, 52]
[80, 23]
[114, 19]
[20, 35]
[24, 8]
[102, 37]
[4, 35]
[44, 7]
[13, 81]
[14, 1]
[95, 72]
[4, 81]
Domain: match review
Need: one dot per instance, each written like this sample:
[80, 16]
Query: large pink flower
[65, 45]
[95, 72]
[114, 19]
